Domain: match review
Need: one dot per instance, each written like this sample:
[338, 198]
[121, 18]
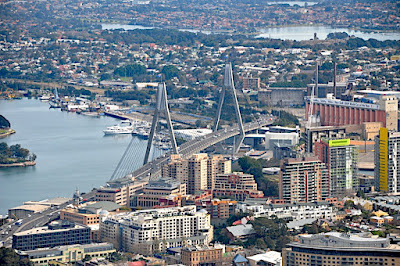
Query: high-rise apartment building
[303, 180]
[198, 171]
[341, 159]
[387, 160]
[237, 185]
[151, 231]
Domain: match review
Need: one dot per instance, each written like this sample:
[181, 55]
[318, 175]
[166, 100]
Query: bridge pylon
[161, 109]
[230, 86]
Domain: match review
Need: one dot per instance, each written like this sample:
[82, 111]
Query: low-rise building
[202, 255]
[56, 234]
[155, 191]
[67, 254]
[336, 248]
[25, 210]
[269, 258]
[298, 211]
[118, 191]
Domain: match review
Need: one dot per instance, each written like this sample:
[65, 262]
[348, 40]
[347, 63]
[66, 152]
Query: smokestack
[316, 79]
[334, 79]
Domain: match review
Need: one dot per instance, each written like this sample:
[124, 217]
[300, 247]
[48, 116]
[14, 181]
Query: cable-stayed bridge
[152, 170]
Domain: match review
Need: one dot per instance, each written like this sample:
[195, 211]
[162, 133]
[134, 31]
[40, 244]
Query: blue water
[72, 152]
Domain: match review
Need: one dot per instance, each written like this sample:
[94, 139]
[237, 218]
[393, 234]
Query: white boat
[125, 127]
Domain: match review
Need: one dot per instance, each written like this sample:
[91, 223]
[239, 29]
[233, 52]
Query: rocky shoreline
[23, 164]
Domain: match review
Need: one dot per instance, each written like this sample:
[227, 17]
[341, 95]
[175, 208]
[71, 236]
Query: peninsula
[15, 156]
[5, 127]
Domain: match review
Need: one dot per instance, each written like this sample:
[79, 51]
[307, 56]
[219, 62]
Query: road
[153, 169]
[35, 220]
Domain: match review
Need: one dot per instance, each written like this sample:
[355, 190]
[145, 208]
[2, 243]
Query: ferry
[125, 127]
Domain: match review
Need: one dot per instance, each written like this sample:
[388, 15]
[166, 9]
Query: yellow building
[387, 161]
[68, 254]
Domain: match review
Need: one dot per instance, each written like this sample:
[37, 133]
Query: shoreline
[8, 133]
[23, 164]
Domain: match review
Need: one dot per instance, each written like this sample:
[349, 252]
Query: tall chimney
[334, 79]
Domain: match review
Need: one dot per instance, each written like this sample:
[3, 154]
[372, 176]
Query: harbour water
[297, 33]
[302, 33]
[72, 152]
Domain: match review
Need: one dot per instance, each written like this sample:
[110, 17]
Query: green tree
[170, 71]
[9, 257]
[4, 123]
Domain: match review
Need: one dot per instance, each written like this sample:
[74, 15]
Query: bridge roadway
[153, 169]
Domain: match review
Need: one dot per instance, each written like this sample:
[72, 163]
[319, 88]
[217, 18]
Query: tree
[4, 123]
[9, 257]
[170, 71]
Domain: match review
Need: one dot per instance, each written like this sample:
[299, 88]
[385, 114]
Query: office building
[341, 159]
[336, 248]
[237, 185]
[202, 255]
[197, 172]
[303, 180]
[59, 233]
[387, 160]
[67, 255]
[150, 231]
[156, 191]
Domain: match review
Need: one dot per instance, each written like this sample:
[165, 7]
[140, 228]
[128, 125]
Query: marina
[72, 152]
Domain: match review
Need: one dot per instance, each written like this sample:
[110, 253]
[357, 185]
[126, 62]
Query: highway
[152, 169]
[34, 220]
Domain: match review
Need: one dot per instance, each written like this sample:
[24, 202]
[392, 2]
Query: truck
[19, 222]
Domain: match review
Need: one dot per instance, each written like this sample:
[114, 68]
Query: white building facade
[150, 231]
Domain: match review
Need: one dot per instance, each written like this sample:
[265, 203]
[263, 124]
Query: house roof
[241, 230]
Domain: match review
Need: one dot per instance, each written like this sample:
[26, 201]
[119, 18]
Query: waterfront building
[59, 233]
[387, 161]
[202, 255]
[237, 185]
[155, 191]
[336, 248]
[303, 180]
[151, 231]
[298, 211]
[198, 171]
[67, 254]
[334, 112]
[341, 159]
